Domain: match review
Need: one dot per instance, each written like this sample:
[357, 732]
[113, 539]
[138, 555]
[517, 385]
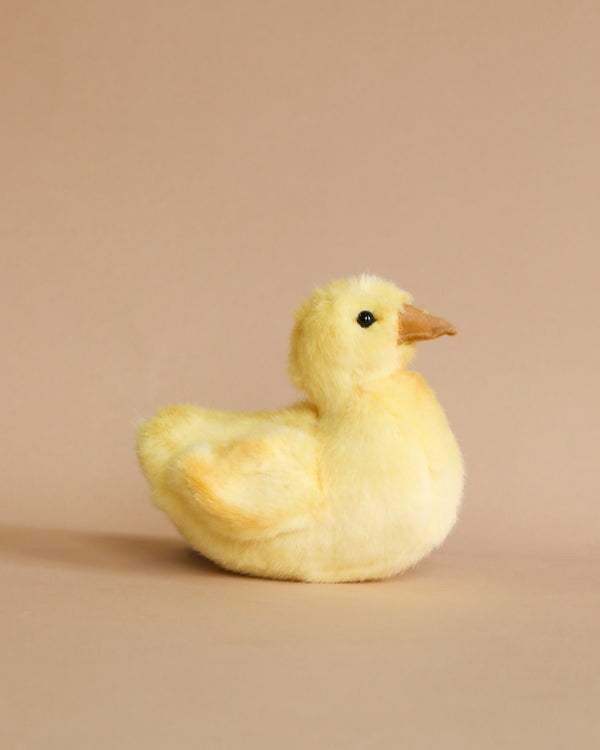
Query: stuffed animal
[359, 481]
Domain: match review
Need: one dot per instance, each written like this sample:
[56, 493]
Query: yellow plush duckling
[358, 482]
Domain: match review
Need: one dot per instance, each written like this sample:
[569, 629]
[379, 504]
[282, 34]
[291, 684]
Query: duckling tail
[160, 437]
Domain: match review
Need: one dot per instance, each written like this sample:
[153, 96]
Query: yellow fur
[359, 482]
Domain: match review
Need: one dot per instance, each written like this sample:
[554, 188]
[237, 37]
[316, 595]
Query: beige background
[175, 178]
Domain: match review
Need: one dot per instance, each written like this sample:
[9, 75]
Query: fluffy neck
[350, 398]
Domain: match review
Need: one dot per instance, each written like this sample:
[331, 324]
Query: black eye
[365, 319]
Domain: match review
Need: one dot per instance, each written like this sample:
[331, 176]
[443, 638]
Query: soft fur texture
[359, 482]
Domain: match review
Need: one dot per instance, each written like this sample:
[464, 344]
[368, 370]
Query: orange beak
[418, 325]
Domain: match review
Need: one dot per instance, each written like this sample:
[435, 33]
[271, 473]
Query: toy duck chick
[358, 482]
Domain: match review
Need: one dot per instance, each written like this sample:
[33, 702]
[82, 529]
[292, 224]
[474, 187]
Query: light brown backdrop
[177, 177]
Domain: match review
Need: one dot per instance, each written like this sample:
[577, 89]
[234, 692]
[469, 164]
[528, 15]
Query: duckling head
[353, 333]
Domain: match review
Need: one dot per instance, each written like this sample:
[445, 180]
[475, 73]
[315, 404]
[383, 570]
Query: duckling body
[357, 486]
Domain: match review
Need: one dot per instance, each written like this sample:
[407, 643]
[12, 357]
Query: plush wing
[260, 485]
